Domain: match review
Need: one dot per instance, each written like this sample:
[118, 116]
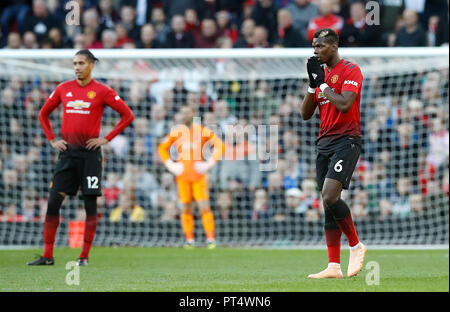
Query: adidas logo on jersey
[69, 94]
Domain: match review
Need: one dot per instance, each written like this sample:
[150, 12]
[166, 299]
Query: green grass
[221, 270]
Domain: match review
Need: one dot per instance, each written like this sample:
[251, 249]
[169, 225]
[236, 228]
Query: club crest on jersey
[334, 79]
[91, 94]
[78, 104]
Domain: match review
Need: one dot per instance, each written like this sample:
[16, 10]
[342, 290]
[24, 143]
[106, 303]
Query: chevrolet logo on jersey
[78, 104]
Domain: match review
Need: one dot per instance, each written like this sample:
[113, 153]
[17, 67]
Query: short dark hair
[329, 34]
[88, 54]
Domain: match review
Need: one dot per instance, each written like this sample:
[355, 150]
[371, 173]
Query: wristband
[311, 90]
[323, 86]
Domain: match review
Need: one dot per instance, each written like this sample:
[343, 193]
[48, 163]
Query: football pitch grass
[125, 269]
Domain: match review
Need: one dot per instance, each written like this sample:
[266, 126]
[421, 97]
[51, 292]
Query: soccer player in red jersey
[80, 159]
[336, 91]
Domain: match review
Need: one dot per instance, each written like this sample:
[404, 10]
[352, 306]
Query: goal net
[263, 192]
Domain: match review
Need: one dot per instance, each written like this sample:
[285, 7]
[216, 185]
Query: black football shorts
[338, 164]
[78, 168]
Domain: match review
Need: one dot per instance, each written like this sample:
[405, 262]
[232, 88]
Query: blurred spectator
[261, 209]
[128, 20]
[265, 14]
[79, 42]
[137, 97]
[8, 110]
[208, 34]
[142, 130]
[30, 206]
[416, 203]
[178, 37]
[122, 35]
[57, 11]
[405, 151]
[431, 90]
[144, 9]
[109, 39]
[411, 34]
[148, 38]
[276, 195]
[14, 41]
[326, 19]
[111, 189]
[142, 151]
[292, 175]
[179, 93]
[30, 40]
[127, 209]
[16, 14]
[107, 14]
[302, 11]
[293, 201]
[401, 204]
[170, 212]
[225, 28]
[445, 183]
[391, 12]
[247, 8]
[310, 196]
[289, 37]
[246, 34]
[240, 160]
[224, 43]
[162, 30]
[11, 214]
[176, 7]
[386, 209]
[356, 32]
[260, 38]
[166, 190]
[158, 125]
[11, 189]
[39, 21]
[224, 204]
[439, 143]
[360, 202]
[90, 38]
[439, 31]
[223, 115]
[192, 22]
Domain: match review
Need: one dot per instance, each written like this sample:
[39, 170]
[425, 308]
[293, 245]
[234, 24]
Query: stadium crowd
[404, 165]
[405, 155]
[146, 24]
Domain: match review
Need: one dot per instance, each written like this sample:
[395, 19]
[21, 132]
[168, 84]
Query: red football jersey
[83, 111]
[345, 76]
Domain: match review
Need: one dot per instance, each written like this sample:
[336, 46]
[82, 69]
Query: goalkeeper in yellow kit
[190, 170]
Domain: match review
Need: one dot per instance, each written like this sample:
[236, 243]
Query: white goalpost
[399, 190]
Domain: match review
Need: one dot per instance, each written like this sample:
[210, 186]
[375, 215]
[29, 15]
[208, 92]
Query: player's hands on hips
[174, 167]
[317, 72]
[60, 145]
[204, 166]
[93, 144]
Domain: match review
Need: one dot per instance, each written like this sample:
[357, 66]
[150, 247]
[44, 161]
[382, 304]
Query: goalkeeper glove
[204, 166]
[174, 167]
[317, 71]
